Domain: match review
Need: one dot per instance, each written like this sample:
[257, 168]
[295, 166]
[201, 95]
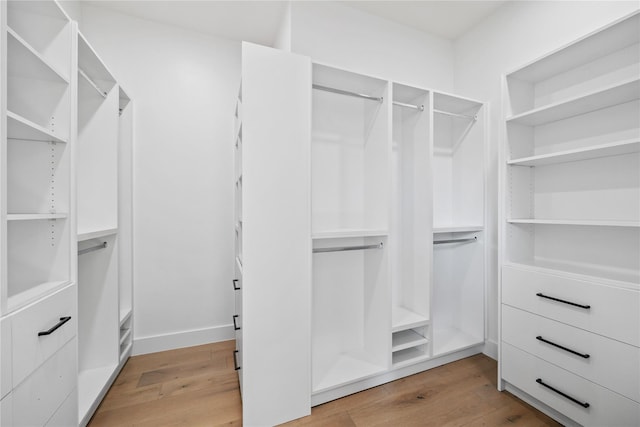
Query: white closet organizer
[38, 311]
[104, 286]
[458, 223]
[570, 285]
[349, 204]
[391, 166]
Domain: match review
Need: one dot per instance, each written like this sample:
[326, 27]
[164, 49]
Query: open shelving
[575, 155]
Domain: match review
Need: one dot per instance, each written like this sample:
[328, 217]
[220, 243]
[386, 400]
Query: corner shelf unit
[570, 222]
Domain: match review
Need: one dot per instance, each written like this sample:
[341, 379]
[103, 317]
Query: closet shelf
[408, 356]
[597, 223]
[125, 334]
[23, 129]
[620, 93]
[92, 85]
[91, 65]
[96, 233]
[362, 232]
[90, 385]
[403, 319]
[125, 352]
[548, 269]
[458, 229]
[406, 339]
[35, 217]
[25, 61]
[598, 151]
[125, 314]
[448, 340]
[34, 292]
[347, 368]
[615, 37]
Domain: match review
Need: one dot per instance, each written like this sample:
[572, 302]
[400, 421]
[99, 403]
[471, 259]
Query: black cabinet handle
[235, 360]
[583, 355]
[235, 288]
[566, 396]
[62, 321]
[541, 295]
[235, 327]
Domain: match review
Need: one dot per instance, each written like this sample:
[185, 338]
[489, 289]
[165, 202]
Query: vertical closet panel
[276, 229]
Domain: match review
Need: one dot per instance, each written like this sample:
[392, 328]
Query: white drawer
[29, 349]
[43, 392]
[67, 414]
[613, 312]
[606, 408]
[612, 364]
[6, 408]
[5, 356]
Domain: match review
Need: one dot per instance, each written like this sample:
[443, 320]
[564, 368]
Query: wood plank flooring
[198, 386]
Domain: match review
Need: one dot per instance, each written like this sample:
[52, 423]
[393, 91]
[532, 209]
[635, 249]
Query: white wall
[348, 38]
[183, 85]
[518, 32]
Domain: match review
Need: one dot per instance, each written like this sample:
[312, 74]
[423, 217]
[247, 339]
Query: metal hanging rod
[440, 242]
[464, 116]
[92, 248]
[348, 248]
[416, 107]
[346, 92]
[92, 83]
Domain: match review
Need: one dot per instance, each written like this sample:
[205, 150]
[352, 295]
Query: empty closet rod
[402, 104]
[92, 83]
[440, 242]
[346, 92]
[348, 248]
[464, 116]
[92, 248]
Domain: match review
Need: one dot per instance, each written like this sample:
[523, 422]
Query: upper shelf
[597, 223]
[598, 151]
[92, 68]
[337, 234]
[458, 229]
[620, 93]
[612, 38]
[22, 129]
[25, 61]
[453, 104]
[35, 217]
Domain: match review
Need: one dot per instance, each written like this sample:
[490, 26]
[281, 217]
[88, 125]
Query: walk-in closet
[321, 212]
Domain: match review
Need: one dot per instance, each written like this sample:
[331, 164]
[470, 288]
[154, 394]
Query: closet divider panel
[276, 231]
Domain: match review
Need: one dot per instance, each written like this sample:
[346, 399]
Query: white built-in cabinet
[65, 284]
[570, 230]
[368, 221]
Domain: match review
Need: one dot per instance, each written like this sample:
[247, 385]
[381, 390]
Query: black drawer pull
[236, 327]
[235, 360]
[235, 288]
[62, 321]
[541, 295]
[583, 355]
[574, 400]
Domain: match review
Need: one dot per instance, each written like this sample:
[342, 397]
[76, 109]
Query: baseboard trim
[153, 344]
[491, 349]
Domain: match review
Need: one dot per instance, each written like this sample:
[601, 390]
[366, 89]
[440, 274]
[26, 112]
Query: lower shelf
[345, 368]
[448, 340]
[409, 356]
[92, 383]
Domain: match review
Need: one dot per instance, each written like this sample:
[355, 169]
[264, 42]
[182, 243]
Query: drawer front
[29, 349]
[612, 364]
[36, 400]
[67, 414]
[5, 356]
[606, 408]
[613, 312]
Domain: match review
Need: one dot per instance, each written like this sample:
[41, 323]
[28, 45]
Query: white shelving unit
[570, 226]
[37, 250]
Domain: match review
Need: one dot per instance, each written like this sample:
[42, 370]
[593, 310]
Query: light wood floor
[197, 386]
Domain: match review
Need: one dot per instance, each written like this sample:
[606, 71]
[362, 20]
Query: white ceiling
[257, 21]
